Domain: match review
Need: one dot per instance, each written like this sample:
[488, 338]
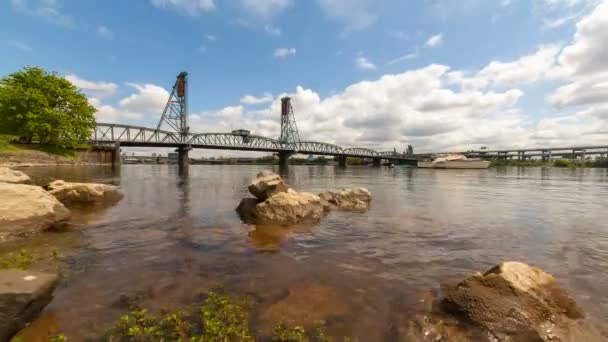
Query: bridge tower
[175, 116]
[289, 131]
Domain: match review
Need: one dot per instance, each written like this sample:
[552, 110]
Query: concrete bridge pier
[183, 160]
[341, 161]
[116, 160]
[377, 161]
[284, 160]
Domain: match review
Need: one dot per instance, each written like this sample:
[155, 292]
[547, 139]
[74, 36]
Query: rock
[23, 294]
[28, 208]
[283, 208]
[356, 199]
[83, 193]
[290, 208]
[13, 176]
[514, 302]
[267, 184]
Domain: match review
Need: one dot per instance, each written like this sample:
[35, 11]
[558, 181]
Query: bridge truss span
[315, 147]
[235, 141]
[112, 133]
[359, 151]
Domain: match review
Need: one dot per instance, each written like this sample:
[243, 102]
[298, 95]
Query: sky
[437, 74]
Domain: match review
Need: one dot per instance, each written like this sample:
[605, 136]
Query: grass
[220, 318]
[17, 149]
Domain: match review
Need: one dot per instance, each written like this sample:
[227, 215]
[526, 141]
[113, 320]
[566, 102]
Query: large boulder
[83, 193]
[283, 208]
[514, 302]
[267, 184]
[23, 294]
[8, 175]
[28, 208]
[349, 199]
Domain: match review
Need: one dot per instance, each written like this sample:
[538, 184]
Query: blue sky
[126, 54]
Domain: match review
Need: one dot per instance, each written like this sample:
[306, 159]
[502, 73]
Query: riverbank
[567, 163]
[35, 155]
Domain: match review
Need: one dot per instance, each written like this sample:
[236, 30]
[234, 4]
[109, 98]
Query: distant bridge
[179, 136]
[545, 153]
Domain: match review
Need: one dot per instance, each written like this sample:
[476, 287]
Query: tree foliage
[43, 106]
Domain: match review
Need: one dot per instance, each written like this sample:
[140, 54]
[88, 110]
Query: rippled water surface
[171, 237]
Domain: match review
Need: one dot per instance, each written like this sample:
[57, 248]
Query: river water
[362, 273]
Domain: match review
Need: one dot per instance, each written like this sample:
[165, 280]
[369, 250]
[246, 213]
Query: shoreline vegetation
[562, 163]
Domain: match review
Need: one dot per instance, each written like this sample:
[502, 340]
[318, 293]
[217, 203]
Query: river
[171, 237]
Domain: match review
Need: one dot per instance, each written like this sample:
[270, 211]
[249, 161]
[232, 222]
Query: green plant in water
[224, 319]
[139, 325]
[58, 338]
[21, 260]
[295, 334]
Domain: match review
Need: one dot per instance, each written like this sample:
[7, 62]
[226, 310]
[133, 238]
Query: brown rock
[23, 294]
[13, 176]
[513, 301]
[356, 199]
[290, 208]
[267, 184]
[83, 193]
[28, 208]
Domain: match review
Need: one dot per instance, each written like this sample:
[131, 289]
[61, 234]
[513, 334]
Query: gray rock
[13, 176]
[267, 184]
[23, 294]
[27, 208]
[83, 193]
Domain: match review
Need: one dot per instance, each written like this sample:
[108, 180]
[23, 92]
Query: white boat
[454, 161]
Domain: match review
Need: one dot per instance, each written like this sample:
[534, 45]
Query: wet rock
[356, 199]
[13, 176]
[305, 305]
[27, 209]
[247, 210]
[290, 208]
[267, 184]
[514, 302]
[23, 294]
[83, 193]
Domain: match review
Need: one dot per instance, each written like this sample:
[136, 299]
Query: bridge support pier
[284, 160]
[116, 160]
[377, 162]
[341, 161]
[182, 160]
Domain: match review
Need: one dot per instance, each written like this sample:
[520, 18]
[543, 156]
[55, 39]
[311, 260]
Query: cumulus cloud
[284, 52]
[92, 88]
[434, 40]
[251, 100]
[188, 7]
[364, 64]
[49, 10]
[264, 9]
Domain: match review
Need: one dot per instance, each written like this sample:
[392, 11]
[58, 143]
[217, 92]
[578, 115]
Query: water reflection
[172, 236]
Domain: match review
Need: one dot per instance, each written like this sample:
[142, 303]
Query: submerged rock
[267, 184]
[83, 193]
[13, 176]
[23, 294]
[514, 302]
[28, 208]
[283, 208]
[349, 199]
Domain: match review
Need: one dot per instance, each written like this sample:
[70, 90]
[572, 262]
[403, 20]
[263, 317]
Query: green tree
[37, 104]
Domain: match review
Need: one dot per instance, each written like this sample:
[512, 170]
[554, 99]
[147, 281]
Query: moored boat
[454, 161]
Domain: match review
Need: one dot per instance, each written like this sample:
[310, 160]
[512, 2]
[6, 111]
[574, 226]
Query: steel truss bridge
[178, 135]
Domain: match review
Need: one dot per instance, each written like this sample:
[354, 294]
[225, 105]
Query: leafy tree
[36, 104]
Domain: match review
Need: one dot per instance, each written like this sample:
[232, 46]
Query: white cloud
[149, 98]
[272, 30]
[434, 40]
[211, 37]
[95, 89]
[19, 45]
[189, 7]
[49, 10]
[250, 99]
[142, 107]
[403, 58]
[364, 64]
[104, 32]
[355, 15]
[284, 52]
[264, 9]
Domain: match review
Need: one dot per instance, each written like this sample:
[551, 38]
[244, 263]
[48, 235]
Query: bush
[564, 163]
